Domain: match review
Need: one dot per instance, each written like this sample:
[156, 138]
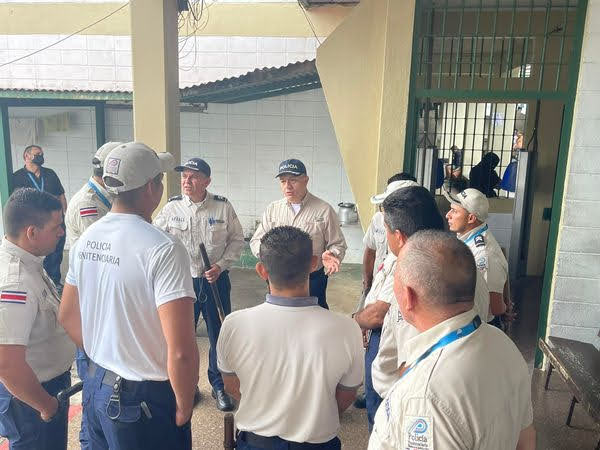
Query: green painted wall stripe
[16, 94]
[6, 157]
[100, 125]
[561, 174]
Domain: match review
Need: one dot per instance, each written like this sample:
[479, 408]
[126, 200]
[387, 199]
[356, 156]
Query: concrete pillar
[368, 99]
[154, 48]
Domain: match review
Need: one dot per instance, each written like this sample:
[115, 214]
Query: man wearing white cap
[92, 201]
[89, 204]
[376, 247]
[128, 302]
[467, 218]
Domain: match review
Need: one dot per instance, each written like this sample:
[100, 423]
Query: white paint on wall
[575, 308]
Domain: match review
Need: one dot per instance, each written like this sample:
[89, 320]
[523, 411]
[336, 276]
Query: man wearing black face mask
[33, 175]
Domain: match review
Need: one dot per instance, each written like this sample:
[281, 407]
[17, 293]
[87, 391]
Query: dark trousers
[132, 427]
[251, 441]
[22, 426]
[205, 303]
[81, 360]
[53, 261]
[372, 398]
[318, 286]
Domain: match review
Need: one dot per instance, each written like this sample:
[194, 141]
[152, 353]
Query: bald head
[439, 268]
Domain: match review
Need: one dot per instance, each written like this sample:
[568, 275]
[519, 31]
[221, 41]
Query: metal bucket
[347, 213]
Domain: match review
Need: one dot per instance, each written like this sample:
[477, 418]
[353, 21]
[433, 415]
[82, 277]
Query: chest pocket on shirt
[180, 227]
[217, 234]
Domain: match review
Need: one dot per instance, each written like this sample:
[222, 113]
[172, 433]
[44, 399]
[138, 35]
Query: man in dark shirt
[35, 176]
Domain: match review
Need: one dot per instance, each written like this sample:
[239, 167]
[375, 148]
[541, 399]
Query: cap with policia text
[472, 200]
[102, 153]
[291, 167]
[132, 165]
[393, 186]
[195, 164]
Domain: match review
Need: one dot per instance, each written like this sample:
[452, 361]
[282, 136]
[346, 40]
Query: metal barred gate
[479, 72]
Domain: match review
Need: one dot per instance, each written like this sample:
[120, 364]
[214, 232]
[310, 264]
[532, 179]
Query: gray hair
[439, 267]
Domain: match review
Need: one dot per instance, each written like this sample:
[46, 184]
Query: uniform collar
[304, 201]
[293, 302]
[190, 203]
[23, 255]
[104, 192]
[468, 234]
[419, 344]
[389, 262]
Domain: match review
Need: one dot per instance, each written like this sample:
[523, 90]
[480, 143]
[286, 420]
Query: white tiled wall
[575, 307]
[501, 227]
[245, 142]
[104, 62]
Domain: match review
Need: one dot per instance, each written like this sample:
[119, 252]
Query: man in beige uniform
[35, 352]
[438, 401]
[92, 201]
[196, 217]
[299, 208]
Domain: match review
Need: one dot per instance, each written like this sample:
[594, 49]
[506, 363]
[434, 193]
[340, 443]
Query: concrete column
[368, 99]
[156, 79]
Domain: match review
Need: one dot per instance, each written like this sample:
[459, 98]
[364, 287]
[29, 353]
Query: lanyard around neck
[470, 238]
[100, 195]
[39, 187]
[448, 339]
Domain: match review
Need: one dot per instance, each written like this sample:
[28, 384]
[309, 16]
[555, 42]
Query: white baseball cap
[133, 164]
[472, 200]
[102, 153]
[393, 186]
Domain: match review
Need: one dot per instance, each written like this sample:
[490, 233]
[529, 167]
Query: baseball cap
[134, 164]
[195, 164]
[393, 186]
[102, 153]
[472, 200]
[291, 167]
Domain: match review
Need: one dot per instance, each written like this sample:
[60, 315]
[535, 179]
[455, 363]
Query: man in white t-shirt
[463, 383]
[279, 360]
[128, 302]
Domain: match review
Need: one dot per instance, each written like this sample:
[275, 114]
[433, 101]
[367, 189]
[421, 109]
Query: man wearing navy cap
[198, 216]
[299, 208]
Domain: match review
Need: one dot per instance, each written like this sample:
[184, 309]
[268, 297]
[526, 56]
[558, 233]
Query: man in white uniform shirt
[128, 301]
[293, 366]
[438, 401]
[35, 352]
[467, 218]
[197, 217]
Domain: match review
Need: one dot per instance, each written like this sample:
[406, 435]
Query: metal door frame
[567, 97]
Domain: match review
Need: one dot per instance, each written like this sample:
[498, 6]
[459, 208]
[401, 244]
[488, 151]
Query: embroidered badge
[482, 263]
[112, 166]
[88, 211]
[418, 433]
[17, 297]
[479, 241]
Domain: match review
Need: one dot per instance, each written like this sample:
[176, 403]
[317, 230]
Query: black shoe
[224, 402]
[197, 397]
[361, 401]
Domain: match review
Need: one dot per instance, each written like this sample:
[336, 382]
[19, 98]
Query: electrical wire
[309, 22]
[65, 38]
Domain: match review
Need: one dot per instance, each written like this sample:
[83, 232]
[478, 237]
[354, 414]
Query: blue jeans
[277, 443]
[81, 360]
[372, 398]
[318, 286]
[131, 428]
[205, 303]
[22, 426]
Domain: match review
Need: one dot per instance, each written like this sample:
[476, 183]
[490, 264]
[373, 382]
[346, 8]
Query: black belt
[269, 442]
[110, 378]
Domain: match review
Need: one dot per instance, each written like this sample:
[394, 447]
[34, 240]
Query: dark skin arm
[367, 266]
[232, 385]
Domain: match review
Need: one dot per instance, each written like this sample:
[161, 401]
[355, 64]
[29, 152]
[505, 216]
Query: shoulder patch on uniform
[220, 198]
[175, 197]
[16, 297]
[418, 432]
[479, 241]
[88, 211]
[482, 263]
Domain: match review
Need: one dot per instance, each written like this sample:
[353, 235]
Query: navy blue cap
[291, 167]
[196, 164]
